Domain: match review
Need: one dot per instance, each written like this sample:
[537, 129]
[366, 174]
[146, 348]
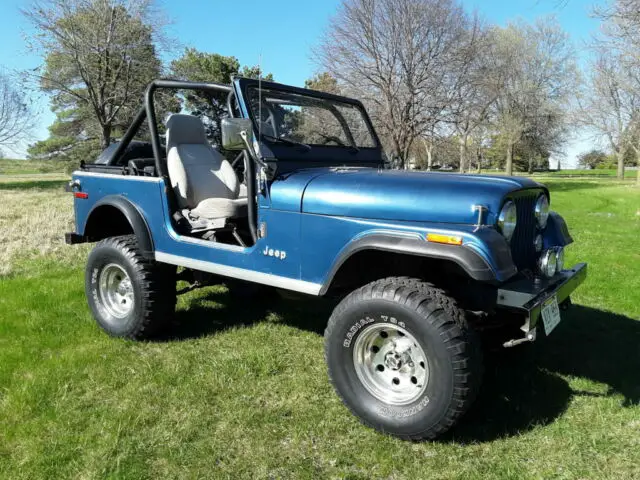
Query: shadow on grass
[40, 184]
[244, 310]
[522, 387]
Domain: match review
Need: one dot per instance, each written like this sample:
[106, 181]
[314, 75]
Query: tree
[609, 107]
[533, 74]
[323, 82]
[621, 39]
[473, 96]
[211, 107]
[402, 58]
[99, 56]
[592, 159]
[16, 114]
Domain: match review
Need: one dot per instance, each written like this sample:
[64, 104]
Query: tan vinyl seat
[205, 184]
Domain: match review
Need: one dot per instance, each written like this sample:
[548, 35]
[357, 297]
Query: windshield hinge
[481, 209]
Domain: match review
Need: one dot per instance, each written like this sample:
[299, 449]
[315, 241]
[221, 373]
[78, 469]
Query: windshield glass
[308, 120]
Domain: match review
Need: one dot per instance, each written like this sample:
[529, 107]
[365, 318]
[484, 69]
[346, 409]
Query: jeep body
[325, 218]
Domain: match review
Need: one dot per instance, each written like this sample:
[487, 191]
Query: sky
[280, 34]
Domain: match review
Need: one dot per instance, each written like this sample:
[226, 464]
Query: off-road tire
[434, 319]
[153, 285]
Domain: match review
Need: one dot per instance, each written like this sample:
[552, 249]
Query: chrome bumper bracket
[528, 296]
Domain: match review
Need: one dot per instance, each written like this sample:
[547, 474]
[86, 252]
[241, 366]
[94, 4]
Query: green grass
[30, 167]
[12, 183]
[238, 388]
[570, 173]
[628, 174]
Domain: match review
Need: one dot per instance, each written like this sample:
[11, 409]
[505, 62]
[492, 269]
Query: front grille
[522, 243]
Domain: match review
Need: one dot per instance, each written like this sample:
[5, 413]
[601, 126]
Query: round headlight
[559, 259]
[507, 219]
[542, 211]
[548, 263]
[537, 243]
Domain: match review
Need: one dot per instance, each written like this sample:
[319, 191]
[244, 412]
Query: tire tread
[459, 338]
[157, 284]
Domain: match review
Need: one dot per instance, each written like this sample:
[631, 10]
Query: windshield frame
[246, 85]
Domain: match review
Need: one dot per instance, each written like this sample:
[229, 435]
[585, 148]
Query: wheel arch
[407, 256]
[115, 215]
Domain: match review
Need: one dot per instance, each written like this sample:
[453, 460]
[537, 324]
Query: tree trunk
[463, 154]
[509, 165]
[620, 156]
[105, 140]
[428, 148]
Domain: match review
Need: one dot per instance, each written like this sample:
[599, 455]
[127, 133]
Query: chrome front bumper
[528, 296]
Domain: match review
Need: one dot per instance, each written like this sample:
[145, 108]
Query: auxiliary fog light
[559, 259]
[548, 262]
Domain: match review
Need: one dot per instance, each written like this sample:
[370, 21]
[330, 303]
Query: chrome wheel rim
[391, 364]
[116, 291]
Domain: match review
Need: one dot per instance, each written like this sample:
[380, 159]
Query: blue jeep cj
[419, 263]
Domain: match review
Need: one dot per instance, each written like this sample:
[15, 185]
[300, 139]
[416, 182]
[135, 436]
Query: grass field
[605, 174]
[30, 167]
[238, 389]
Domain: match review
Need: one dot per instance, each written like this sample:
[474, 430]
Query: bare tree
[473, 97]
[99, 55]
[403, 58]
[533, 74]
[609, 108]
[620, 38]
[16, 115]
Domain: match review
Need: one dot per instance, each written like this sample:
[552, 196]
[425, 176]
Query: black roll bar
[230, 103]
[161, 167]
[149, 111]
[128, 136]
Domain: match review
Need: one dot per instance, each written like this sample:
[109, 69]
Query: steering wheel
[239, 167]
[270, 122]
[330, 138]
[230, 104]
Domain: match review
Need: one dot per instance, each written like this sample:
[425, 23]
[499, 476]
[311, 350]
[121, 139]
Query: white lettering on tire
[404, 412]
[365, 321]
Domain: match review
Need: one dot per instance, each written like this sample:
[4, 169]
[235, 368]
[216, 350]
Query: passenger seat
[205, 184]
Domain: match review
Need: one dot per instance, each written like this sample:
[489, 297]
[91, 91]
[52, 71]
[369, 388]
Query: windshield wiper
[288, 141]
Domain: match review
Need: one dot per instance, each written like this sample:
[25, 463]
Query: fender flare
[466, 258]
[134, 217]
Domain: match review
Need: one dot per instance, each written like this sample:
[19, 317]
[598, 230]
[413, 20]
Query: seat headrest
[183, 128]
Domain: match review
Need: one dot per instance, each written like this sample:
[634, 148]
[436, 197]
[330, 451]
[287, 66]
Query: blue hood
[394, 194]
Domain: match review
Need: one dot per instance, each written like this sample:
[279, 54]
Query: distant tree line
[443, 87]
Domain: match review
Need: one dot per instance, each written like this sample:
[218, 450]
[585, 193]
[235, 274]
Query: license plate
[550, 315]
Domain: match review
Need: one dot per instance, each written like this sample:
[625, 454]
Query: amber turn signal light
[446, 239]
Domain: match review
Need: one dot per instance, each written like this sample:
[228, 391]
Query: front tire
[402, 357]
[129, 295]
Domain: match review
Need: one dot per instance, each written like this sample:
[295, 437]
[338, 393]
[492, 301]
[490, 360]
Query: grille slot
[522, 248]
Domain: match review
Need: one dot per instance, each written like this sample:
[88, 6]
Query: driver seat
[205, 184]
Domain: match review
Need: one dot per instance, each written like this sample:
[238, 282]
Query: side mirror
[231, 128]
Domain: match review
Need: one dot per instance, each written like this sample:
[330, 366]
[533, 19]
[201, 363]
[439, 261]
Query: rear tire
[129, 295]
[402, 358]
